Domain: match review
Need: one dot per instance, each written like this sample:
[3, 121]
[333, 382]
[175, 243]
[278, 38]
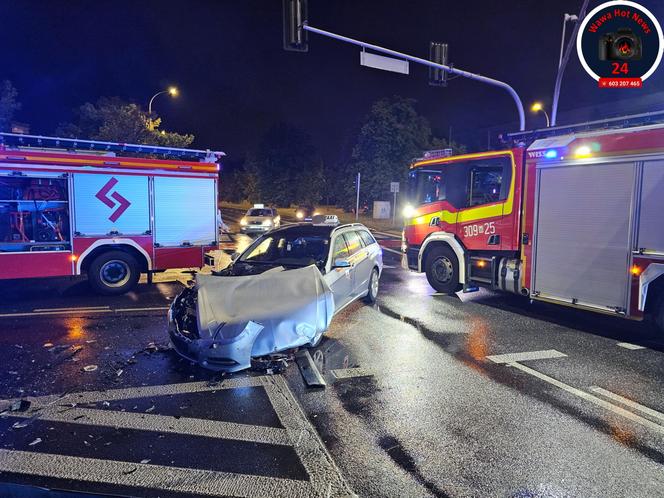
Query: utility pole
[357, 198]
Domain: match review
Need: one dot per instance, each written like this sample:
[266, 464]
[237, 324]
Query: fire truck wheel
[442, 269]
[658, 314]
[113, 272]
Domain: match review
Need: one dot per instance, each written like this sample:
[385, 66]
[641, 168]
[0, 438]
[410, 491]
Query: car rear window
[367, 237]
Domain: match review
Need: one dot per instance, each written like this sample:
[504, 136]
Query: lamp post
[566, 18]
[537, 107]
[171, 90]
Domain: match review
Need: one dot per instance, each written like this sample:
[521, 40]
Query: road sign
[394, 187]
[384, 63]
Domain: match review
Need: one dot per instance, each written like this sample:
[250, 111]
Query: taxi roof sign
[325, 220]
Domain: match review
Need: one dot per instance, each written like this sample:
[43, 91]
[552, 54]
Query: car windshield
[259, 212]
[288, 248]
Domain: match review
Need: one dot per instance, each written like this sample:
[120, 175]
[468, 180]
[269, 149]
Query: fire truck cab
[69, 207]
[572, 216]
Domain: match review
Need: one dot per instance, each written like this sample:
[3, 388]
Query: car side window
[367, 238]
[354, 242]
[340, 249]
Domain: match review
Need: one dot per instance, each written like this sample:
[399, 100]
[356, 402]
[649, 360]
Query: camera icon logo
[623, 45]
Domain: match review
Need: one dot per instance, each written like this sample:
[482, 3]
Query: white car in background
[260, 219]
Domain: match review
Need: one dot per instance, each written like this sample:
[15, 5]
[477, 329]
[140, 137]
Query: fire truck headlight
[299, 215]
[408, 211]
[583, 151]
[243, 222]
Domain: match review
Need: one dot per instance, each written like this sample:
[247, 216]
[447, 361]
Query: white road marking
[37, 310]
[628, 345]
[589, 397]
[157, 308]
[166, 424]
[349, 373]
[391, 250]
[73, 311]
[182, 480]
[526, 356]
[297, 432]
[45, 313]
[629, 402]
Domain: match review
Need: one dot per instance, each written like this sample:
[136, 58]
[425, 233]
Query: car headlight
[267, 223]
[299, 215]
[243, 221]
[316, 213]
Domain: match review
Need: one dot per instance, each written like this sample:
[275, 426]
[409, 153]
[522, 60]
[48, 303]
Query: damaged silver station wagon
[280, 293]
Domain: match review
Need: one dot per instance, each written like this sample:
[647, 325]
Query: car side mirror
[341, 263]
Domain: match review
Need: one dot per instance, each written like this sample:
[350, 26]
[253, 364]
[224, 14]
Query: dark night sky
[227, 59]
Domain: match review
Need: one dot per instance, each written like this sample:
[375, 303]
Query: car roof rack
[620, 122]
[96, 146]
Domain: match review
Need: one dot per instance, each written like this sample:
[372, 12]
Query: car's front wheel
[442, 269]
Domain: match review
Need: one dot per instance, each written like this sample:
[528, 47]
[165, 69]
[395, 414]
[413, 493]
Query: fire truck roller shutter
[582, 233]
[651, 223]
[111, 204]
[185, 211]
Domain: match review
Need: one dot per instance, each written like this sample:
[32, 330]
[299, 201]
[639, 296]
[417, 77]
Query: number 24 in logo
[619, 68]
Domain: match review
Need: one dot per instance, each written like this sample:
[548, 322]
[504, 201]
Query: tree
[8, 104]
[112, 119]
[392, 135]
[287, 168]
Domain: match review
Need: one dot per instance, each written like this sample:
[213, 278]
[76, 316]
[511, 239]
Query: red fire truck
[110, 210]
[572, 215]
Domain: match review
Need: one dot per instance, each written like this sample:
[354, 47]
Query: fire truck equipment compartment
[583, 233]
[185, 211]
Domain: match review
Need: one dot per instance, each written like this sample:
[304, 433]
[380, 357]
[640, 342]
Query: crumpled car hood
[240, 317]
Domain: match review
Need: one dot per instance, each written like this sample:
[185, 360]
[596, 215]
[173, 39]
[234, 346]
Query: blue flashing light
[551, 154]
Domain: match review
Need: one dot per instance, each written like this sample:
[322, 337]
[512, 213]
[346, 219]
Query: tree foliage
[8, 104]
[285, 170]
[115, 120]
[392, 135]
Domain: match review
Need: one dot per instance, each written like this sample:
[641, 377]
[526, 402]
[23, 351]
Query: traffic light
[438, 53]
[295, 13]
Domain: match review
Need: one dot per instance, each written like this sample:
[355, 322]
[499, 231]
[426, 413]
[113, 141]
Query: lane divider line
[628, 402]
[45, 313]
[589, 397]
[391, 250]
[526, 356]
[628, 345]
[39, 310]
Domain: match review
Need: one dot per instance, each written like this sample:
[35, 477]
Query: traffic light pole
[418, 60]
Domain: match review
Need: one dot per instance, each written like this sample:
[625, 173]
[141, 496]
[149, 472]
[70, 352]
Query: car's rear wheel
[372, 293]
[113, 272]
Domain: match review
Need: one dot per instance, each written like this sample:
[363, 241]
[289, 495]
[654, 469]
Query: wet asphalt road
[413, 406]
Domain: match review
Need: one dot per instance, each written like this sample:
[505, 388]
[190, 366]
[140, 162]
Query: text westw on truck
[569, 215]
[113, 211]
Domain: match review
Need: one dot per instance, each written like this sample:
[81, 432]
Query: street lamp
[537, 107]
[566, 18]
[171, 90]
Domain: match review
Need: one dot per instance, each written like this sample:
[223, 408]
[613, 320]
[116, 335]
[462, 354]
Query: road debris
[48, 345]
[146, 460]
[35, 442]
[271, 364]
[308, 369]
[90, 368]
